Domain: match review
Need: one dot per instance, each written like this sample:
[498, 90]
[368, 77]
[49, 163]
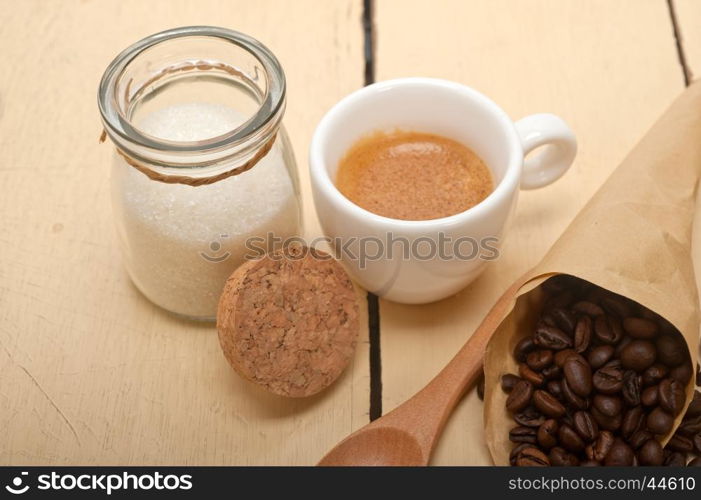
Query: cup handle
[559, 149]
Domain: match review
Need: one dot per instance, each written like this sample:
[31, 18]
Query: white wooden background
[91, 373]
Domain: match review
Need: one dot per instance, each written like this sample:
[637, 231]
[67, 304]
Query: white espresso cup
[423, 261]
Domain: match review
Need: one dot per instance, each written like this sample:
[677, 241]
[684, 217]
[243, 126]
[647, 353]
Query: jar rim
[122, 132]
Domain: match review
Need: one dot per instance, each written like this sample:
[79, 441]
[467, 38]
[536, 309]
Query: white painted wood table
[92, 373]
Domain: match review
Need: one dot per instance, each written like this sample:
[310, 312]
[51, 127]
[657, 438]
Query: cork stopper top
[289, 321]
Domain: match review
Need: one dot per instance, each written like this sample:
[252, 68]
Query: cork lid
[289, 321]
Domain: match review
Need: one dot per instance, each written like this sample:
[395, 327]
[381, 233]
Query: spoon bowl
[377, 446]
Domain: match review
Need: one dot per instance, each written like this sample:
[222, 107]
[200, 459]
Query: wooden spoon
[408, 434]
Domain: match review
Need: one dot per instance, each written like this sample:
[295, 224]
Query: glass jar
[203, 175]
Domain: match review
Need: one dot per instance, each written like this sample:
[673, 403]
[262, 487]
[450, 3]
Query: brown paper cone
[632, 238]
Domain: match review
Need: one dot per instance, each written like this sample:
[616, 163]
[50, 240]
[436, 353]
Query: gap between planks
[375, 356]
[679, 41]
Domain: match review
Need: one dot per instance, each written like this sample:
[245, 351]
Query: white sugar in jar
[203, 176]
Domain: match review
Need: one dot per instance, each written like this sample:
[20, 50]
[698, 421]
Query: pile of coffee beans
[600, 381]
[687, 439]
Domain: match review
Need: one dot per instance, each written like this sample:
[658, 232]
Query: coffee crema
[413, 175]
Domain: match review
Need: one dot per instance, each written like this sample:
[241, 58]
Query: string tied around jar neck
[222, 65]
[195, 181]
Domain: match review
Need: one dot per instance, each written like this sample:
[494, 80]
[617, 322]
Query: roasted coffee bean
[533, 377]
[617, 305]
[646, 313]
[554, 387]
[614, 363]
[550, 337]
[682, 373]
[523, 434]
[585, 425]
[566, 419]
[563, 299]
[674, 459]
[586, 307]
[639, 438]
[631, 388]
[532, 457]
[620, 454]
[607, 405]
[520, 396]
[539, 359]
[640, 328]
[671, 396]
[564, 355]
[621, 345]
[690, 426]
[694, 408]
[649, 396]
[659, 421]
[593, 368]
[638, 355]
[552, 372]
[680, 443]
[547, 434]
[608, 379]
[608, 329]
[600, 448]
[559, 457]
[582, 334]
[600, 355]
[569, 439]
[671, 349]
[570, 397]
[667, 328]
[515, 452]
[697, 442]
[578, 375]
[564, 319]
[633, 421]
[695, 462]
[508, 381]
[547, 319]
[654, 374]
[589, 463]
[529, 417]
[522, 348]
[651, 453]
[548, 404]
[610, 423]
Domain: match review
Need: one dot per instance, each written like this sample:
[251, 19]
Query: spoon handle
[427, 412]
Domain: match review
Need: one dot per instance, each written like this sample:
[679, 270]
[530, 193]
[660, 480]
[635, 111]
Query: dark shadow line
[375, 357]
[679, 42]
[369, 41]
[373, 302]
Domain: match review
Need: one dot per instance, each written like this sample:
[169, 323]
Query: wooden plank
[688, 14]
[608, 68]
[92, 373]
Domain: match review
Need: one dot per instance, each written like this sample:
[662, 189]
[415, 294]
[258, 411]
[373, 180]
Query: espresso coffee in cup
[410, 175]
[428, 255]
